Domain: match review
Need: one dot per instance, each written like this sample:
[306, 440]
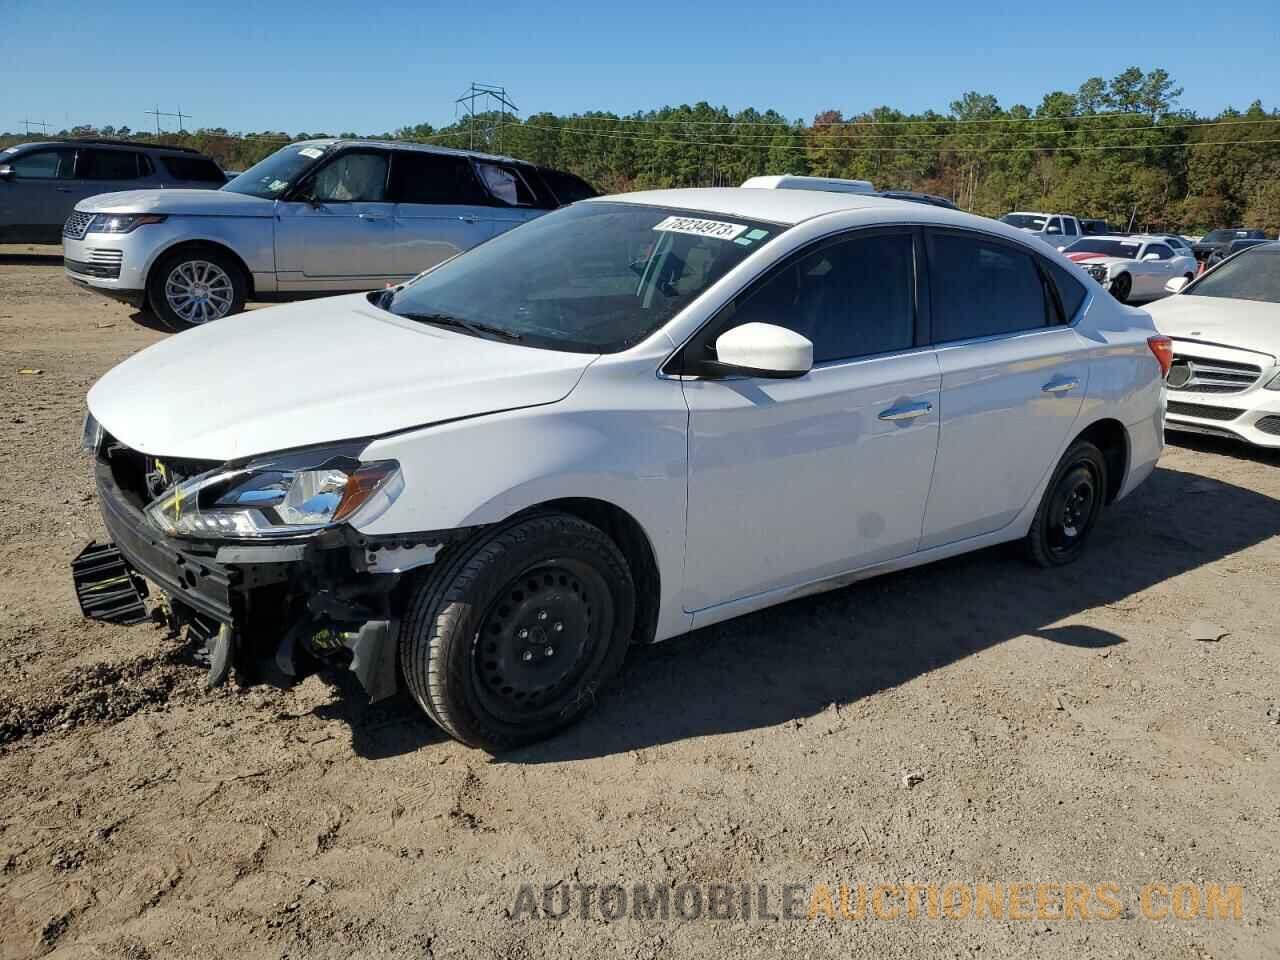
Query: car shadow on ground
[31, 259]
[795, 660]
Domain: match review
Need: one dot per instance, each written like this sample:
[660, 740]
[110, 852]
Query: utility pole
[44, 127]
[158, 113]
[490, 94]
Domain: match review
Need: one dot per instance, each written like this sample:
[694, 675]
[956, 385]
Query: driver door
[344, 234]
[797, 480]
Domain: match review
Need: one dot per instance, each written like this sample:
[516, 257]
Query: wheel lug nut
[557, 626]
[527, 655]
[523, 634]
[549, 651]
[542, 614]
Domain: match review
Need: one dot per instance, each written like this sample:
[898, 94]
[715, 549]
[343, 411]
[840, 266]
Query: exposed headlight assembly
[1274, 382]
[283, 496]
[122, 222]
[91, 437]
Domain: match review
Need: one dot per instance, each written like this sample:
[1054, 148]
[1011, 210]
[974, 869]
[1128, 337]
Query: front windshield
[1024, 221]
[1107, 248]
[271, 177]
[596, 277]
[1252, 275]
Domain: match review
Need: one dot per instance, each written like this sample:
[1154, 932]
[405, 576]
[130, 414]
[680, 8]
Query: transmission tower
[158, 113]
[489, 95]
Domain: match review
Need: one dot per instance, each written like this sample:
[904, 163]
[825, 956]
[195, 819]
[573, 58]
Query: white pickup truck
[1056, 229]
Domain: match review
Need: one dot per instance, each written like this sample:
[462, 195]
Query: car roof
[108, 142]
[403, 145]
[789, 207]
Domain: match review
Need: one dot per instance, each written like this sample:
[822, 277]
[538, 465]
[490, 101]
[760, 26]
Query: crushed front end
[257, 560]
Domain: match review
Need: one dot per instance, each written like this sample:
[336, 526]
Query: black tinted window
[1071, 292]
[851, 298]
[201, 169]
[108, 165]
[566, 187]
[44, 164]
[982, 287]
[434, 178]
[1070, 226]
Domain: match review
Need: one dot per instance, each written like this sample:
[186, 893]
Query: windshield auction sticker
[702, 228]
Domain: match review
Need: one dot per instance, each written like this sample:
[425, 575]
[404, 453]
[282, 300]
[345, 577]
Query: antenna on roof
[491, 94]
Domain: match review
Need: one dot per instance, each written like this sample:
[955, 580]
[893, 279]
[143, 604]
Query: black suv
[40, 183]
[1219, 242]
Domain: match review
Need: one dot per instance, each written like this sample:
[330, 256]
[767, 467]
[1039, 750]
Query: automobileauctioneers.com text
[882, 902]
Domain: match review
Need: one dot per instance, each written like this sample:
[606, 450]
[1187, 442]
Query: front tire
[1070, 507]
[194, 286]
[510, 640]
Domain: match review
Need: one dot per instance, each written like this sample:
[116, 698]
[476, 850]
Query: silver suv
[317, 216]
[40, 183]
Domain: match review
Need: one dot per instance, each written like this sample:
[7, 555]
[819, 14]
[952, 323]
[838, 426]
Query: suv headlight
[278, 497]
[121, 222]
[1098, 271]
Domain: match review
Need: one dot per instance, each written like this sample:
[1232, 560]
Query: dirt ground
[976, 721]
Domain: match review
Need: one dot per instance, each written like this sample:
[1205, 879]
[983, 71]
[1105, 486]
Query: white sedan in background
[1134, 268]
[1225, 326]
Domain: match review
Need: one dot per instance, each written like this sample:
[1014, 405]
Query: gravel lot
[1053, 727]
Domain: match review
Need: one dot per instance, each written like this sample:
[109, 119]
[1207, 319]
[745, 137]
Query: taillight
[1162, 347]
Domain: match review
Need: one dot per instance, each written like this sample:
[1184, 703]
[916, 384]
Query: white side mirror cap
[764, 350]
[1176, 284]
[1150, 258]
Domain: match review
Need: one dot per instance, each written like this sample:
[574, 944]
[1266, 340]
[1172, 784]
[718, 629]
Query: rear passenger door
[441, 208]
[1014, 374]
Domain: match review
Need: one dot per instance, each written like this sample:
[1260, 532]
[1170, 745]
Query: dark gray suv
[41, 183]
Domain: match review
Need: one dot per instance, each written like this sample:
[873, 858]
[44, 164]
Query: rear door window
[109, 165]
[420, 177]
[55, 164]
[506, 184]
[1070, 226]
[981, 287]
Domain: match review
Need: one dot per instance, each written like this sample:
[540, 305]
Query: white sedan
[1225, 326]
[1132, 268]
[632, 417]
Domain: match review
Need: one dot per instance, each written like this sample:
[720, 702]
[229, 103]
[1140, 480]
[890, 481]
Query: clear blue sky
[369, 67]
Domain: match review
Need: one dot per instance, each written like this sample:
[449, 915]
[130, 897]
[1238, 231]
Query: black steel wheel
[509, 640]
[1070, 507]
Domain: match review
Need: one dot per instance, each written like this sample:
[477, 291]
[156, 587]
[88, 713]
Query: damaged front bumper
[331, 598]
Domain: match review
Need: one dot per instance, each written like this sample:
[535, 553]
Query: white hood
[1243, 324]
[199, 203]
[316, 372]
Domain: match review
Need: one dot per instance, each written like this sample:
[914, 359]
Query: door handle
[1061, 386]
[907, 411]
[371, 216]
[469, 219]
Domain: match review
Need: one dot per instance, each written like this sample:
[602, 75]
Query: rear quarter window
[200, 169]
[1071, 292]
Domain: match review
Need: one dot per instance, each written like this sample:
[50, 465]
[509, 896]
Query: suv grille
[77, 225]
[1212, 376]
[1203, 411]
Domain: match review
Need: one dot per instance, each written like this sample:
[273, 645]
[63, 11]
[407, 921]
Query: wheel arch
[1110, 436]
[200, 244]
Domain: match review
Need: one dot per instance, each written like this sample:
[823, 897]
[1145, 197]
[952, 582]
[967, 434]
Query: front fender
[483, 470]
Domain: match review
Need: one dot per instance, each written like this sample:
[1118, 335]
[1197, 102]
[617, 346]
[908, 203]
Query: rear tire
[1070, 507]
[196, 285]
[1121, 287]
[509, 641]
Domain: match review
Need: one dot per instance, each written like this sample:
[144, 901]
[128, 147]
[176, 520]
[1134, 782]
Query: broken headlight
[280, 497]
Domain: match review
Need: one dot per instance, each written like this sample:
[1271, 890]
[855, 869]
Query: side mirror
[1053, 230]
[6, 171]
[1176, 284]
[1151, 258]
[763, 350]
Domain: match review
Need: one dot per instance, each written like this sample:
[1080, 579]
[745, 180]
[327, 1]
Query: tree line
[1119, 149]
